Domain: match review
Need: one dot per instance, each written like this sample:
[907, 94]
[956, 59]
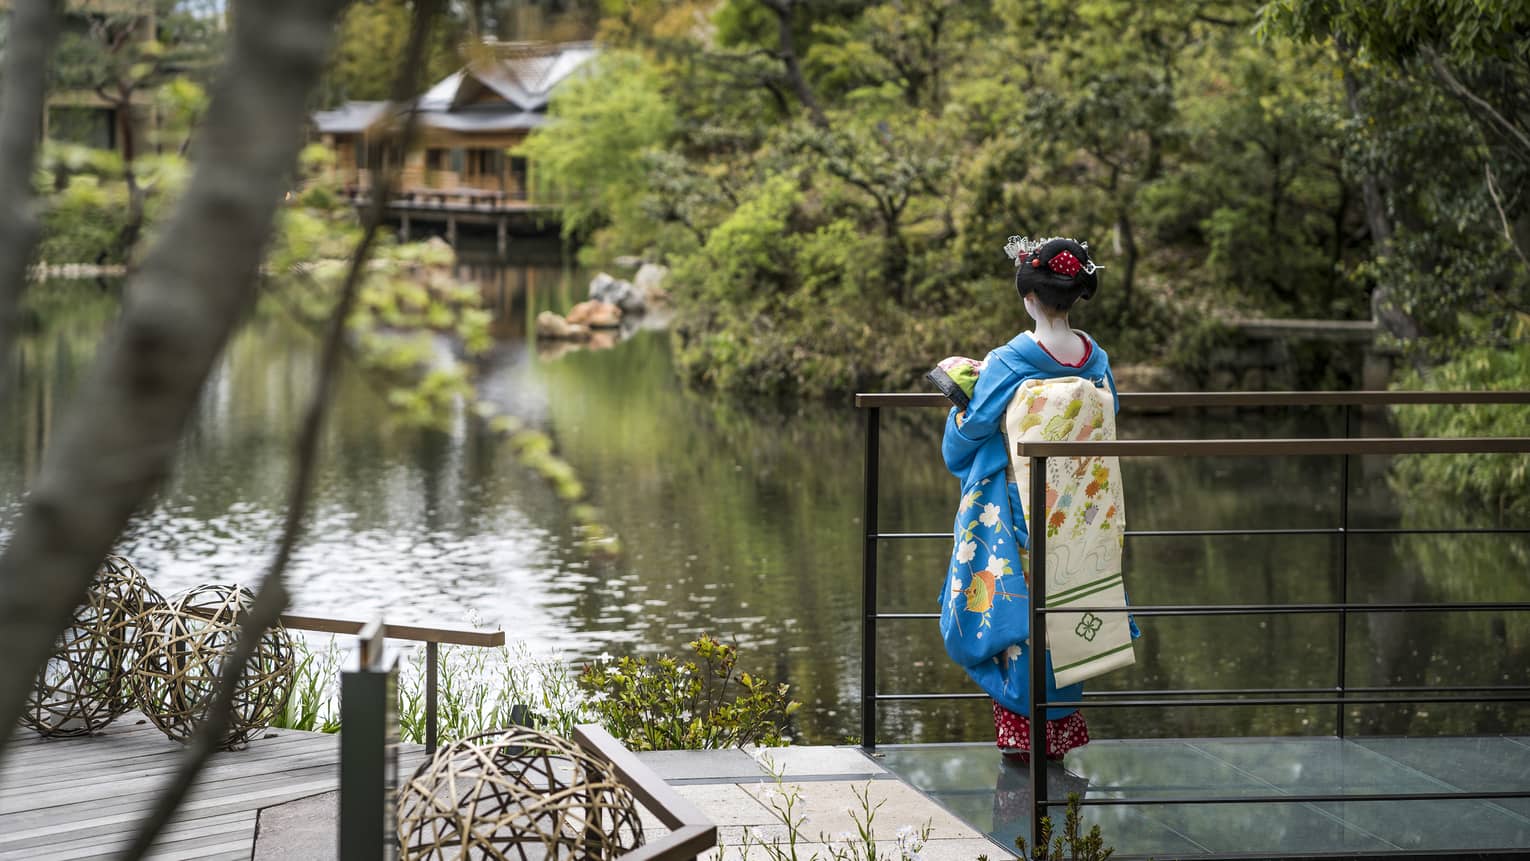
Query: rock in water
[605, 288]
[596, 315]
[649, 282]
[553, 327]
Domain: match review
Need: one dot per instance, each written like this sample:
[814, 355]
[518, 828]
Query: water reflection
[742, 519]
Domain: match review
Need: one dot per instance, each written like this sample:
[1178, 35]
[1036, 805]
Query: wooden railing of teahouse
[1338, 696]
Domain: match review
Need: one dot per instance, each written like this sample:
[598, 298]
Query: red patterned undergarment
[1014, 733]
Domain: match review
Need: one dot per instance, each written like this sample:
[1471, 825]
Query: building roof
[509, 91]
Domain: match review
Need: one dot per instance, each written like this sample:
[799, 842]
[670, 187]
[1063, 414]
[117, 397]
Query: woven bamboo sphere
[518, 794]
[85, 685]
[185, 643]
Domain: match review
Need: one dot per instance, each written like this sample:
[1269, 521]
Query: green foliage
[371, 39]
[477, 689]
[1079, 846]
[860, 845]
[601, 127]
[669, 704]
[411, 317]
[1496, 483]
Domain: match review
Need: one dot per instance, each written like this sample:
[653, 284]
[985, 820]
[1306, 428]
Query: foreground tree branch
[115, 444]
[272, 598]
[34, 29]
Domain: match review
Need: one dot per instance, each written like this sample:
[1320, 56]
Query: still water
[741, 519]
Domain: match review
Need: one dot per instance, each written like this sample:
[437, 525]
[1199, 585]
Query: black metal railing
[1340, 695]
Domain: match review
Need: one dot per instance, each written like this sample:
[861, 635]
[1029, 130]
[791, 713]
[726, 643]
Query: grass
[477, 688]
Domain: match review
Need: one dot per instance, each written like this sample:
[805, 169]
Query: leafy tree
[1444, 203]
[598, 133]
[371, 38]
[124, 58]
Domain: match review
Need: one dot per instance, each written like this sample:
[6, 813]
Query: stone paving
[739, 793]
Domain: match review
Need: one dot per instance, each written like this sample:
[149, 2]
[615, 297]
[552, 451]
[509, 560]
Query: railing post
[432, 670]
[1038, 644]
[369, 751]
[869, 583]
[1343, 645]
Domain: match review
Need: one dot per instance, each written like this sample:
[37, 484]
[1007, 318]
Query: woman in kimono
[984, 616]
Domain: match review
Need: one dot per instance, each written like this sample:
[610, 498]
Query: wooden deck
[82, 797]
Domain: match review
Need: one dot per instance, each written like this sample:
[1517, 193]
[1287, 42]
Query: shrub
[667, 704]
[1498, 482]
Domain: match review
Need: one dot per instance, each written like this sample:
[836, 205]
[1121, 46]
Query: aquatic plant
[669, 704]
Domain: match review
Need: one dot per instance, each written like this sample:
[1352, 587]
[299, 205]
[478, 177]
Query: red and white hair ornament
[1021, 248]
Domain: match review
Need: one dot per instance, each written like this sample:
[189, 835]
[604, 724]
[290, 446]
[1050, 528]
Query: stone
[595, 314]
[605, 288]
[649, 283]
[553, 327]
[304, 828]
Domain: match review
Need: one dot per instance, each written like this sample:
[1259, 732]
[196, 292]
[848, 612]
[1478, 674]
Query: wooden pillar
[403, 231]
[451, 230]
[503, 235]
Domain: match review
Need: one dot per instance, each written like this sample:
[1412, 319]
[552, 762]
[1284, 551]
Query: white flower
[996, 565]
[990, 515]
[965, 552]
[970, 499]
[956, 585]
[1013, 652]
[905, 832]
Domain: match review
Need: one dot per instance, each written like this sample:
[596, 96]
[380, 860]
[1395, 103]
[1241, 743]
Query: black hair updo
[1057, 288]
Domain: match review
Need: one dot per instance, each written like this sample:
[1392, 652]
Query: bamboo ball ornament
[185, 643]
[86, 683]
[519, 794]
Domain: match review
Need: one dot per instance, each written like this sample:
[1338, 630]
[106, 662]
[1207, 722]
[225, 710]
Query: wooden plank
[398, 632]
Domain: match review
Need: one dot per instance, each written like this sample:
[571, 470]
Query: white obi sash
[1086, 523]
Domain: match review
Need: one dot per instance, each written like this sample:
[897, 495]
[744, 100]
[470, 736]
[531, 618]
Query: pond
[742, 519]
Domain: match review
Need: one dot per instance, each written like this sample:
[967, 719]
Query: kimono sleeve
[983, 418]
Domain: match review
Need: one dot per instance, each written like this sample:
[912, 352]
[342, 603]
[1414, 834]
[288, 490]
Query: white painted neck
[1054, 333]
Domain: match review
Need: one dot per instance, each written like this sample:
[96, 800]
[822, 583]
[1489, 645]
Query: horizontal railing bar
[1282, 701]
[953, 696]
[1288, 609]
[1299, 799]
[1276, 447]
[1368, 696]
[905, 616]
[1398, 689]
[1235, 399]
[1098, 697]
[1254, 533]
[397, 632]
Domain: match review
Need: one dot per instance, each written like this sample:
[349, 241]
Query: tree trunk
[1129, 250]
[34, 29]
[115, 444]
[1384, 311]
[786, 48]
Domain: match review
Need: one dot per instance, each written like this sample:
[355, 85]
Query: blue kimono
[984, 610]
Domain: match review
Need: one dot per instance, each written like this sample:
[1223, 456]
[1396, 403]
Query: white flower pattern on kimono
[970, 499]
[990, 515]
[995, 565]
[965, 553]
